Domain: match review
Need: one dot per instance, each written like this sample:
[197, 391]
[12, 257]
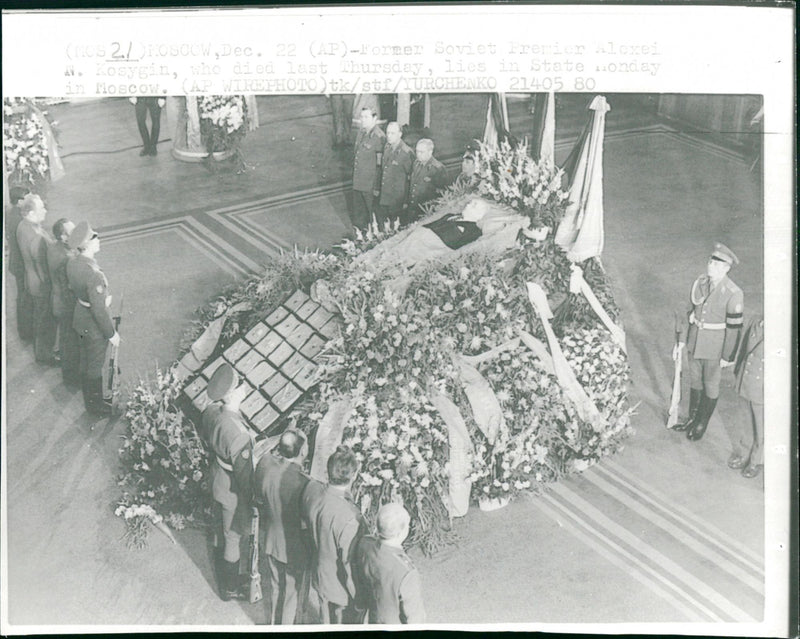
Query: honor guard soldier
[398, 160]
[11, 220]
[368, 152]
[428, 175]
[63, 301]
[468, 178]
[231, 443]
[388, 584]
[279, 485]
[714, 326]
[32, 240]
[748, 442]
[336, 526]
[91, 319]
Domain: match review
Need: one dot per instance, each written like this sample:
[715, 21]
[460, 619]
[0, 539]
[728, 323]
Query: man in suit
[388, 584]
[91, 319]
[398, 159]
[747, 438]
[153, 105]
[715, 312]
[63, 301]
[32, 240]
[16, 266]
[231, 443]
[368, 153]
[336, 525]
[428, 175]
[279, 485]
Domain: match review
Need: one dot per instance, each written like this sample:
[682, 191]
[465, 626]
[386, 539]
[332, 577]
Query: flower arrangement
[509, 175]
[396, 350]
[24, 143]
[223, 120]
[164, 462]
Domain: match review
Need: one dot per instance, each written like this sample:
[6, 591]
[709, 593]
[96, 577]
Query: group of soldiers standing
[313, 532]
[62, 295]
[390, 181]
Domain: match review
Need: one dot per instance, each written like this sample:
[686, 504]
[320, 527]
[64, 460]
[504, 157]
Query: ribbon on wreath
[577, 284]
[329, 436]
[564, 373]
[459, 462]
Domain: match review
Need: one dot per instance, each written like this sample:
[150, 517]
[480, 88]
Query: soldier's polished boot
[96, 405]
[229, 581]
[698, 429]
[695, 395]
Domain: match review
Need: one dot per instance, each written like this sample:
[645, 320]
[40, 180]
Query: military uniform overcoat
[398, 161]
[366, 166]
[749, 369]
[426, 180]
[714, 321]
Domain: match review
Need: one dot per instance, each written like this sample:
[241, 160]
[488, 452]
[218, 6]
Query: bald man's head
[291, 443]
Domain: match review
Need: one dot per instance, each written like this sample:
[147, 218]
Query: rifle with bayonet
[113, 360]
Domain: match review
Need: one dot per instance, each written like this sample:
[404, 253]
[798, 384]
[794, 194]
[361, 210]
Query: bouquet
[223, 120]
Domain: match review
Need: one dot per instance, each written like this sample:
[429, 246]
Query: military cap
[724, 254]
[392, 519]
[222, 382]
[80, 235]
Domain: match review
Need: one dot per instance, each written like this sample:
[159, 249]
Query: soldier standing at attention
[748, 442]
[398, 159]
[428, 175]
[388, 584]
[714, 327]
[468, 178]
[16, 266]
[63, 301]
[368, 153]
[32, 240]
[279, 486]
[336, 525]
[91, 319]
[231, 471]
[153, 105]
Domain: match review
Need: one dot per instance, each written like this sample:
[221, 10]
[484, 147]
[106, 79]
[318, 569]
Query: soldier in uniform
[336, 526]
[154, 106]
[91, 319]
[398, 159]
[231, 442]
[428, 175]
[279, 485]
[63, 301]
[32, 240]
[16, 266]
[712, 336]
[368, 153]
[748, 439]
[468, 178]
[388, 584]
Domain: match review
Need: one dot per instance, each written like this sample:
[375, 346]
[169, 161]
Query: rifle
[675, 400]
[113, 360]
[255, 575]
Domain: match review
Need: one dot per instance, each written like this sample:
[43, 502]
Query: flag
[580, 233]
[496, 129]
[543, 141]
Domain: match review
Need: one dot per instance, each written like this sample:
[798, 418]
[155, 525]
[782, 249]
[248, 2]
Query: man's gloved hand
[161, 102]
[132, 100]
[114, 339]
[676, 351]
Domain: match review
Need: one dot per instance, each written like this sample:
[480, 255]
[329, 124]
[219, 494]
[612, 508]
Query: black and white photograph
[417, 317]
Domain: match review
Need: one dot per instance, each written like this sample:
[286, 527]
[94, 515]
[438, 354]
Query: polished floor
[664, 532]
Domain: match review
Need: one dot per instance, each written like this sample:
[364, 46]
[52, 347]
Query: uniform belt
[710, 326]
[224, 465]
[82, 303]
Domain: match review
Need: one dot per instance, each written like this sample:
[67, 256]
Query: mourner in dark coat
[387, 583]
[16, 267]
[428, 175]
[398, 159]
[278, 488]
[63, 301]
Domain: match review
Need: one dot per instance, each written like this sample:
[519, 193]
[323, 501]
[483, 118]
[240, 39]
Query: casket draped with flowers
[456, 376]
